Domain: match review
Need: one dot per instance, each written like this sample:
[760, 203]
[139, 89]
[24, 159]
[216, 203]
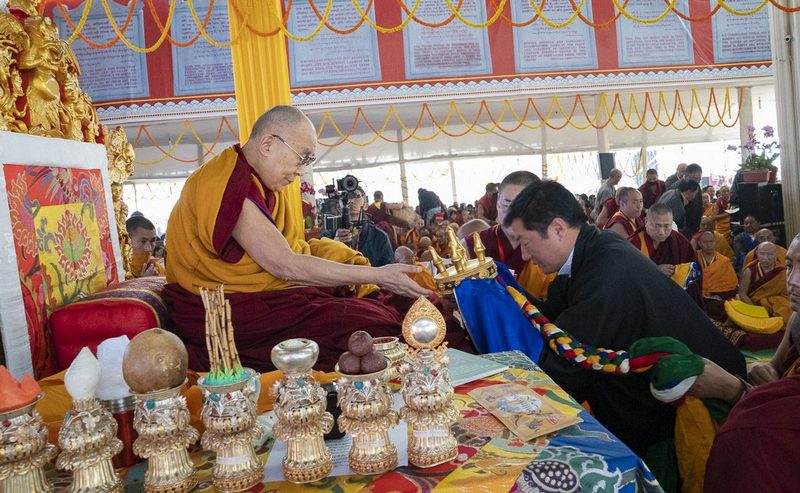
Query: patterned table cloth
[581, 458]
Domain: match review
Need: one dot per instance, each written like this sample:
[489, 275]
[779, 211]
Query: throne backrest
[58, 240]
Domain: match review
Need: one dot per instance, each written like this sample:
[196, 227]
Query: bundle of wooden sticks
[222, 353]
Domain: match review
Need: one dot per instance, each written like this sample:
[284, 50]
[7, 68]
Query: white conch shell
[82, 376]
[109, 354]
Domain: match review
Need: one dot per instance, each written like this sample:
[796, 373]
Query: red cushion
[125, 308]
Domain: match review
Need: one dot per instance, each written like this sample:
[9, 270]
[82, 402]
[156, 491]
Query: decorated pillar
[785, 30]
[261, 81]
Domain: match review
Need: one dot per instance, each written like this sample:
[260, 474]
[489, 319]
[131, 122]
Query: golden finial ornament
[426, 388]
[13, 41]
[120, 166]
[478, 248]
[482, 267]
[24, 450]
[437, 260]
[88, 435]
[300, 404]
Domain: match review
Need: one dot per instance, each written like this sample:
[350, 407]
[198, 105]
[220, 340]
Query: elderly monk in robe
[720, 282]
[235, 224]
[628, 218]
[411, 237]
[723, 219]
[762, 235]
[502, 244]
[667, 248]
[404, 255]
[723, 247]
[709, 207]
[764, 283]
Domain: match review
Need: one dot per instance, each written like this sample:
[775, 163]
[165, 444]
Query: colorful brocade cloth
[583, 457]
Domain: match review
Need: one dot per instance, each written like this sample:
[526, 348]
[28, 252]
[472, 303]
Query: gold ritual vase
[24, 450]
[88, 441]
[229, 414]
[428, 408]
[300, 404]
[395, 352]
[162, 421]
[367, 415]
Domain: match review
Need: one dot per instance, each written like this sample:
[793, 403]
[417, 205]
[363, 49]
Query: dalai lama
[232, 226]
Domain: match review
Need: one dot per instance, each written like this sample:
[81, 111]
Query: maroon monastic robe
[630, 225]
[651, 192]
[757, 447]
[675, 250]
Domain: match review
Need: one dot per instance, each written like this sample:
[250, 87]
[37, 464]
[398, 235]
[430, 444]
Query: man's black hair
[135, 222]
[523, 178]
[539, 203]
[652, 171]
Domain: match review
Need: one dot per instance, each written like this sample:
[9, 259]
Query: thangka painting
[63, 245]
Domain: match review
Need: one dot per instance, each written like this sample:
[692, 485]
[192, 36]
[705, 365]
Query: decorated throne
[64, 248]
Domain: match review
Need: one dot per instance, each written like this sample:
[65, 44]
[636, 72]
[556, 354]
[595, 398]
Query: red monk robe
[719, 283]
[265, 309]
[675, 250]
[651, 192]
[529, 275]
[768, 289]
[631, 225]
[752, 256]
[384, 221]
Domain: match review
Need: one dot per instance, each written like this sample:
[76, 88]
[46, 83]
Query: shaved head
[278, 118]
[765, 235]
[404, 255]
[767, 255]
[708, 242]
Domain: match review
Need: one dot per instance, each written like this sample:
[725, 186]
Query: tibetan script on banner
[664, 43]
[448, 51]
[741, 38]
[331, 58]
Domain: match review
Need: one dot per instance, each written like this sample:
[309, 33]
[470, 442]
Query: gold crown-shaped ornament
[481, 267]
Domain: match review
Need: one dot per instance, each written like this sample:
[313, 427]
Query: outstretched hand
[394, 278]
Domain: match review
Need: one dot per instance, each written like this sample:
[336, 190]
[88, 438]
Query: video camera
[333, 208]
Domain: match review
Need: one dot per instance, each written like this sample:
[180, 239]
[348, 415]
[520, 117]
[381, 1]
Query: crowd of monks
[239, 223]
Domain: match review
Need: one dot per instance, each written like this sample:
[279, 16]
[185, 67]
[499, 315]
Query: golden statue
[41, 61]
[30, 7]
[68, 73]
[13, 40]
[120, 167]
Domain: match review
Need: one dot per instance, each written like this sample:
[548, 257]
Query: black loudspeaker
[762, 200]
[606, 163]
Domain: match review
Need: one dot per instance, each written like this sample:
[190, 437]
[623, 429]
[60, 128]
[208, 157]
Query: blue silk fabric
[493, 319]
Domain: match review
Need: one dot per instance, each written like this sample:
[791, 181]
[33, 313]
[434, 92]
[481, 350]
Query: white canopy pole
[401, 159]
[745, 119]
[785, 29]
[545, 170]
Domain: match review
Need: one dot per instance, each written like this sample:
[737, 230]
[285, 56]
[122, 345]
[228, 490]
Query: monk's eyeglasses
[306, 160]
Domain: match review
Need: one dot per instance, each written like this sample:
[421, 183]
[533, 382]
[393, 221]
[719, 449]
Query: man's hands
[393, 277]
[716, 383]
[344, 235]
[667, 269]
[759, 373]
[149, 268]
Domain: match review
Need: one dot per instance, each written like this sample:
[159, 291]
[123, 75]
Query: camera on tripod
[333, 208]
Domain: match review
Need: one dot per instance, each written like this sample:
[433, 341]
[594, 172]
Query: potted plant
[757, 166]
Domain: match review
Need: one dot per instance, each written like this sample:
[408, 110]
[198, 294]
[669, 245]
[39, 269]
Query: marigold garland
[611, 110]
[280, 18]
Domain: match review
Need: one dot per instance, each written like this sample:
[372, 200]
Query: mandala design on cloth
[567, 469]
[72, 246]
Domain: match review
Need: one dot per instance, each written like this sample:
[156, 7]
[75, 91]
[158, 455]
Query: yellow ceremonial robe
[718, 275]
[202, 221]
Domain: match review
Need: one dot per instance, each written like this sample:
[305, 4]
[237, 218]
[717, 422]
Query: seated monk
[709, 207]
[238, 223]
[422, 248]
[502, 245]
[745, 241]
[762, 235]
[628, 218]
[404, 255]
[411, 237]
[723, 247]
[442, 243]
[722, 220]
[665, 247]
[753, 449]
[608, 208]
[764, 283]
[720, 282]
[142, 236]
